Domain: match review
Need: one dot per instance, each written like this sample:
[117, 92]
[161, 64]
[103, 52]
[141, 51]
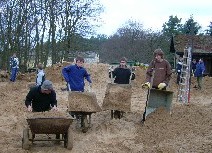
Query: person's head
[158, 54]
[180, 59]
[194, 61]
[200, 60]
[40, 66]
[46, 87]
[79, 61]
[123, 62]
[14, 54]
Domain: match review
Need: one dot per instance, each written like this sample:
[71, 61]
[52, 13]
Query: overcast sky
[153, 13]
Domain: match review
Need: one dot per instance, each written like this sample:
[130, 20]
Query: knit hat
[47, 85]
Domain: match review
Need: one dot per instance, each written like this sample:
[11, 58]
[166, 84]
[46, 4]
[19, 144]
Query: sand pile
[83, 102]
[48, 114]
[117, 97]
[187, 129]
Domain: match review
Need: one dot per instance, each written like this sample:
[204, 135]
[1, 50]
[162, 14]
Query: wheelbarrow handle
[89, 87]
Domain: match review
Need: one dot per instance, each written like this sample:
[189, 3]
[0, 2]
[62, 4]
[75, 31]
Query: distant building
[89, 56]
[202, 48]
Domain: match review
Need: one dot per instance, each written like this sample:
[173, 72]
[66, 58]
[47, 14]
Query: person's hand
[29, 108]
[54, 108]
[161, 86]
[146, 85]
[90, 84]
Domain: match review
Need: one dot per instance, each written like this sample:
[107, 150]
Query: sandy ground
[187, 129]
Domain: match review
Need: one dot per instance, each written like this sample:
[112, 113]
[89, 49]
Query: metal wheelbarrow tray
[48, 126]
[159, 98]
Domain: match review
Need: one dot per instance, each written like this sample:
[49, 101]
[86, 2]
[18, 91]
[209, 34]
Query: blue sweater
[200, 68]
[75, 75]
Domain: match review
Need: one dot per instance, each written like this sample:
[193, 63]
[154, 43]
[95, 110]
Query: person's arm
[133, 76]
[168, 73]
[203, 68]
[65, 72]
[53, 100]
[43, 78]
[11, 61]
[28, 101]
[17, 63]
[149, 71]
[178, 68]
[39, 79]
[87, 76]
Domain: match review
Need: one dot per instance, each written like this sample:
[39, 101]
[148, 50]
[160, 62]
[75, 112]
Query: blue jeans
[14, 72]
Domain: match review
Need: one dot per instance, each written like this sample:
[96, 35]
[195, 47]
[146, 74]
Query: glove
[146, 85]
[161, 86]
[29, 108]
[178, 70]
[90, 85]
[54, 108]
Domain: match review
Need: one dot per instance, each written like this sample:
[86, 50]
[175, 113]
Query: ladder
[184, 85]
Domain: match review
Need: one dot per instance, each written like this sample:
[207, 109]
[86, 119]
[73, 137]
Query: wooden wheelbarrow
[48, 126]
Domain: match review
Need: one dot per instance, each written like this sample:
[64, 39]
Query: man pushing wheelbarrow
[118, 94]
[158, 76]
[81, 103]
[40, 100]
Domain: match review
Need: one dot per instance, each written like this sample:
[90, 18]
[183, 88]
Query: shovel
[146, 112]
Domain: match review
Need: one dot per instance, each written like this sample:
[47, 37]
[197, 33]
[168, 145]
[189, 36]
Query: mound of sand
[83, 102]
[187, 129]
[117, 97]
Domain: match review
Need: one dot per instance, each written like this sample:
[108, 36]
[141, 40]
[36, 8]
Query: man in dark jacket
[194, 63]
[200, 68]
[179, 68]
[41, 98]
[122, 75]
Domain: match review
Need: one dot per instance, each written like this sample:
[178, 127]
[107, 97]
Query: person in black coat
[41, 98]
[122, 75]
[179, 69]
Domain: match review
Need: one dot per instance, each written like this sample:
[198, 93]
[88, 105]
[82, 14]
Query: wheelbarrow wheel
[68, 143]
[25, 139]
[117, 114]
[84, 123]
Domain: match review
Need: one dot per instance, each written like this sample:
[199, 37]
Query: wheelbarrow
[158, 98]
[82, 105]
[48, 126]
[117, 99]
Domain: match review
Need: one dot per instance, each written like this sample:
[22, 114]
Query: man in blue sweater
[200, 68]
[74, 75]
